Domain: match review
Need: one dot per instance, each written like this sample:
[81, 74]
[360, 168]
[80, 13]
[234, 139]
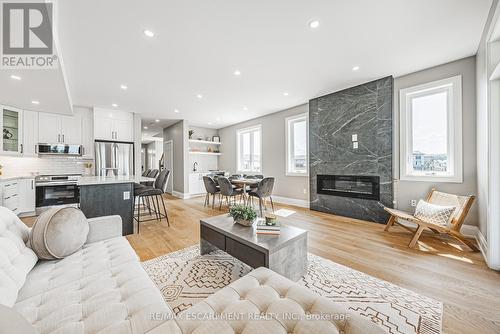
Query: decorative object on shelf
[270, 219]
[243, 215]
[0, 170]
[209, 149]
[216, 139]
[200, 138]
[191, 133]
[7, 134]
[207, 138]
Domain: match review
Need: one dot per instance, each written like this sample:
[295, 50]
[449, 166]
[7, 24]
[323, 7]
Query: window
[296, 145]
[249, 149]
[431, 131]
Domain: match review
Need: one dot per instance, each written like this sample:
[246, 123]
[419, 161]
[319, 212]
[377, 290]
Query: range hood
[59, 149]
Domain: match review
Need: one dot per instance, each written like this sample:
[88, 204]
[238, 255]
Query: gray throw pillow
[59, 232]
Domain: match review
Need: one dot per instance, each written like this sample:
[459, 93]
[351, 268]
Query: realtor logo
[27, 36]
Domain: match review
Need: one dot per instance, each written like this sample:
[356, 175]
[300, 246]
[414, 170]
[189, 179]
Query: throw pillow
[434, 214]
[59, 232]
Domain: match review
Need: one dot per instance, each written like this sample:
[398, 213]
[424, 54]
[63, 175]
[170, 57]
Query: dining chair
[263, 190]
[212, 189]
[152, 194]
[228, 192]
[146, 171]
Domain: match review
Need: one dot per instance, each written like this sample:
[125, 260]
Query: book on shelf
[269, 232]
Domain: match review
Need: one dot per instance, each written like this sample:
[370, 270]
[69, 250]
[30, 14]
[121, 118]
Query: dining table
[244, 183]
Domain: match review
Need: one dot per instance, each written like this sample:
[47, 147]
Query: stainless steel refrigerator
[112, 159]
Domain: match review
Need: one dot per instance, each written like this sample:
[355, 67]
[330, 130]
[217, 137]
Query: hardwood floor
[439, 268]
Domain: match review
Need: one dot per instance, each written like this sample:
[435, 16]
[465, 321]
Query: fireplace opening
[354, 186]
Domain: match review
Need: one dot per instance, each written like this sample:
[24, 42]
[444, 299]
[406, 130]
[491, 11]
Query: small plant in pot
[243, 214]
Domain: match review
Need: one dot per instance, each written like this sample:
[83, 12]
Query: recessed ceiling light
[157, 120]
[209, 123]
[285, 94]
[35, 102]
[15, 77]
[314, 24]
[149, 33]
[176, 111]
[124, 87]
[245, 108]
[145, 128]
[199, 96]
[355, 68]
[217, 119]
[237, 72]
[114, 105]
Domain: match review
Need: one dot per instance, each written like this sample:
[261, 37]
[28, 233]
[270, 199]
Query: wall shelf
[205, 153]
[203, 142]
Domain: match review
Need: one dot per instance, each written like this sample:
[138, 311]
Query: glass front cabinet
[11, 120]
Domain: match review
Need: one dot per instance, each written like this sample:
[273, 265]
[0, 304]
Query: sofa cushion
[279, 305]
[59, 232]
[93, 258]
[119, 299]
[16, 260]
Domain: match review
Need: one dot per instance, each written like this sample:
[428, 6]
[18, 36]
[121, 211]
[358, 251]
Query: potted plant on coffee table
[243, 215]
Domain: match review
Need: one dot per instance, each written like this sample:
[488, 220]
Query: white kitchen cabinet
[113, 125]
[30, 133]
[11, 122]
[54, 128]
[196, 185]
[26, 194]
[87, 116]
[10, 195]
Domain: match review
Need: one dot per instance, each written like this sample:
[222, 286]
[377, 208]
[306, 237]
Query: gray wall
[273, 152]
[407, 190]
[178, 134]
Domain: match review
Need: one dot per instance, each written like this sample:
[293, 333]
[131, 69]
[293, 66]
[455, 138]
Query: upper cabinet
[54, 129]
[11, 122]
[30, 133]
[113, 125]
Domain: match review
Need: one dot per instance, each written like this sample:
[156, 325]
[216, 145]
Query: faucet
[195, 166]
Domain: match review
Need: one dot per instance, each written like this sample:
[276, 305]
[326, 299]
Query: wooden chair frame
[453, 230]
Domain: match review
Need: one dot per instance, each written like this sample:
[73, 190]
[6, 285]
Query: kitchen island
[110, 195]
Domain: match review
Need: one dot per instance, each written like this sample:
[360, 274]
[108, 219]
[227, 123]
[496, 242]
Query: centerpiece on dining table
[243, 215]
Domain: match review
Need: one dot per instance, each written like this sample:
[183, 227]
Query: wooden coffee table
[285, 254]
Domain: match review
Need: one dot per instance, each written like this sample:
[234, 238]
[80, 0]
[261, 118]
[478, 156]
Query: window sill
[437, 179]
[297, 174]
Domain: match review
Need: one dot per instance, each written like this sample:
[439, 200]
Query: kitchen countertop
[15, 177]
[93, 180]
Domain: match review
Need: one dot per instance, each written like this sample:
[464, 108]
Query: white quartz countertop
[93, 180]
[15, 177]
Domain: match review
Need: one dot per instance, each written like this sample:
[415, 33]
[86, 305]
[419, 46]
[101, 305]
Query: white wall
[273, 152]
[178, 133]
[405, 191]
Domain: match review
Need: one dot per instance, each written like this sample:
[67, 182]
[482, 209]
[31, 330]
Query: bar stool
[151, 194]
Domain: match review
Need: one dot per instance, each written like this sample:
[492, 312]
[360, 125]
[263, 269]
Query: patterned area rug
[185, 278]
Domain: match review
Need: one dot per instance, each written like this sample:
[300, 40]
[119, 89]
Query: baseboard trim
[180, 195]
[291, 201]
[483, 245]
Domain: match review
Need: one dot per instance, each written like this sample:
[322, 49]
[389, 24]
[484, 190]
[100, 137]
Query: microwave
[59, 149]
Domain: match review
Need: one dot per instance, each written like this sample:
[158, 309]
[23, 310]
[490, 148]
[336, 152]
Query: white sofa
[103, 289]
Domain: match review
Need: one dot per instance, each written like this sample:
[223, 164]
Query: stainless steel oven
[54, 190]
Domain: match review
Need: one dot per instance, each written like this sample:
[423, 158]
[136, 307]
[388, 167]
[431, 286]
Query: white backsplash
[16, 166]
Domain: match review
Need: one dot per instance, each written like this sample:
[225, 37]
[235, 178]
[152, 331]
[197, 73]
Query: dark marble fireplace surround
[364, 110]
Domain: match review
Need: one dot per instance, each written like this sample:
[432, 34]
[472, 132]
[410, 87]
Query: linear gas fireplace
[354, 186]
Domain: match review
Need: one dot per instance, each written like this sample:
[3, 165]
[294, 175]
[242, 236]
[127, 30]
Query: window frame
[239, 132]
[453, 86]
[288, 147]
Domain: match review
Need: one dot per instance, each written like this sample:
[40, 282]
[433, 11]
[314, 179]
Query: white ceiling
[199, 44]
